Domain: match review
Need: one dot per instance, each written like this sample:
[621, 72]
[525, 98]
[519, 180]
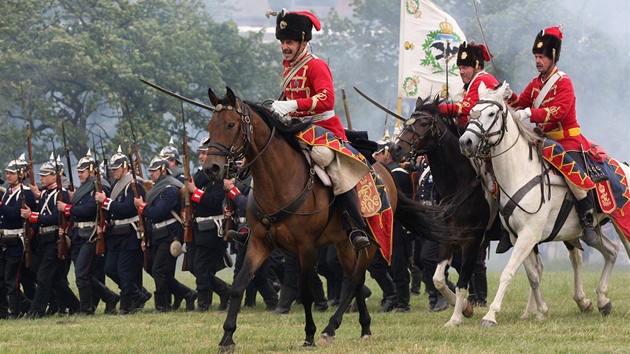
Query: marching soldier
[50, 269]
[208, 245]
[123, 263]
[162, 207]
[174, 161]
[83, 213]
[13, 233]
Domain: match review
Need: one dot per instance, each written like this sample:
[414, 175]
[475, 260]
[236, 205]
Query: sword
[387, 110]
[185, 99]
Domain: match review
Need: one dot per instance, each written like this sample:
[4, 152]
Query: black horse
[460, 188]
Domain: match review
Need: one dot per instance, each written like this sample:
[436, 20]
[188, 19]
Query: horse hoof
[227, 349]
[326, 339]
[487, 324]
[469, 310]
[588, 308]
[606, 309]
[451, 324]
[366, 337]
[308, 345]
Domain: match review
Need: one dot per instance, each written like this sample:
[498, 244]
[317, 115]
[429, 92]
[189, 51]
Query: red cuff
[33, 218]
[66, 210]
[141, 208]
[233, 192]
[196, 196]
[106, 203]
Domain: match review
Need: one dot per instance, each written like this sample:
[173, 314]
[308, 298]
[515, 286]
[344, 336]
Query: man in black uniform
[208, 246]
[123, 263]
[161, 208]
[83, 213]
[50, 269]
[11, 260]
[170, 153]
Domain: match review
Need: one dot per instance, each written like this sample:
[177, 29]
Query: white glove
[282, 108]
[524, 114]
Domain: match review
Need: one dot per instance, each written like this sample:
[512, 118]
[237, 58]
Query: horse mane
[526, 130]
[288, 132]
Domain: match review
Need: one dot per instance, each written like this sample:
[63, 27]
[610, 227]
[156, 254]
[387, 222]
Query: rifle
[100, 237]
[28, 234]
[67, 153]
[31, 174]
[105, 163]
[62, 246]
[188, 207]
[136, 194]
[138, 165]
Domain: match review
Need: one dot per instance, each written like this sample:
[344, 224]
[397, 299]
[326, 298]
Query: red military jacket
[556, 114]
[312, 87]
[471, 96]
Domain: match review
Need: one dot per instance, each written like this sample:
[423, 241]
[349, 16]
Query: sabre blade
[385, 109]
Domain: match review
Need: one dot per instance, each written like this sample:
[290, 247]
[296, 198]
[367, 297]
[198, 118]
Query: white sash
[545, 90]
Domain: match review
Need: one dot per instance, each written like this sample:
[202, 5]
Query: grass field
[565, 330]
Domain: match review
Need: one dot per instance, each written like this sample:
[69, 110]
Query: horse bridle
[410, 127]
[232, 153]
[483, 149]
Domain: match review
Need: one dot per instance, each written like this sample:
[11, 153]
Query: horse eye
[231, 125]
[475, 114]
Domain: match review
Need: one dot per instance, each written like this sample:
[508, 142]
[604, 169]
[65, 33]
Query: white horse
[531, 199]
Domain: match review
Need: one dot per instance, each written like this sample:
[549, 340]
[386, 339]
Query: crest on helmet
[118, 160]
[170, 152]
[86, 162]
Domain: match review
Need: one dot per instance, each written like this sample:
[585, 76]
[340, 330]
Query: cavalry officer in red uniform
[549, 101]
[470, 60]
[309, 94]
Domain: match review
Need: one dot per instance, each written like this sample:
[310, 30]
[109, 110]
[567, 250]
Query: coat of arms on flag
[429, 41]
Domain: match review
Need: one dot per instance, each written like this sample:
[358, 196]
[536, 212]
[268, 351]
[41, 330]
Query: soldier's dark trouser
[163, 271]
[47, 264]
[261, 281]
[12, 266]
[401, 252]
[429, 258]
[207, 262]
[123, 264]
[4, 301]
[290, 284]
[379, 270]
[66, 299]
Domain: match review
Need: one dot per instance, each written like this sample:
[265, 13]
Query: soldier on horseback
[308, 95]
[549, 101]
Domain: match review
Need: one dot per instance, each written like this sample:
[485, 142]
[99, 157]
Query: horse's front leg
[257, 252]
[463, 307]
[524, 245]
[439, 280]
[307, 265]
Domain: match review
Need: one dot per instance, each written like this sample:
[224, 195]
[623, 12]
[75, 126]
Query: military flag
[429, 40]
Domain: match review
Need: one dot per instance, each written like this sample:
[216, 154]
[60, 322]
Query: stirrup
[359, 239]
[590, 235]
[241, 236]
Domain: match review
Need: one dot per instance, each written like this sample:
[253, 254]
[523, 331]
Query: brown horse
[291, 209]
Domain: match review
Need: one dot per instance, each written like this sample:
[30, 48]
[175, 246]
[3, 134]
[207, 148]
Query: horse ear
[231, 96]
[419, 103]
[214, 99]
[482, 90]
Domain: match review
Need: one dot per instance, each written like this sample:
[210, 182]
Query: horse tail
[425, 221]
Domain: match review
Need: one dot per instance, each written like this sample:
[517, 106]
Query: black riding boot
[352, 215]
[478, 292]
[416, 280]
[386, 284]
[126, 304]
[14, 306]
[402, 299]
[269, 295]
[222, 289]
[85, 300]
[585, 212]
[203, 301]
[241, 236]
[504, 242]
[319, 297]
[162, 300]
[287, 296]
